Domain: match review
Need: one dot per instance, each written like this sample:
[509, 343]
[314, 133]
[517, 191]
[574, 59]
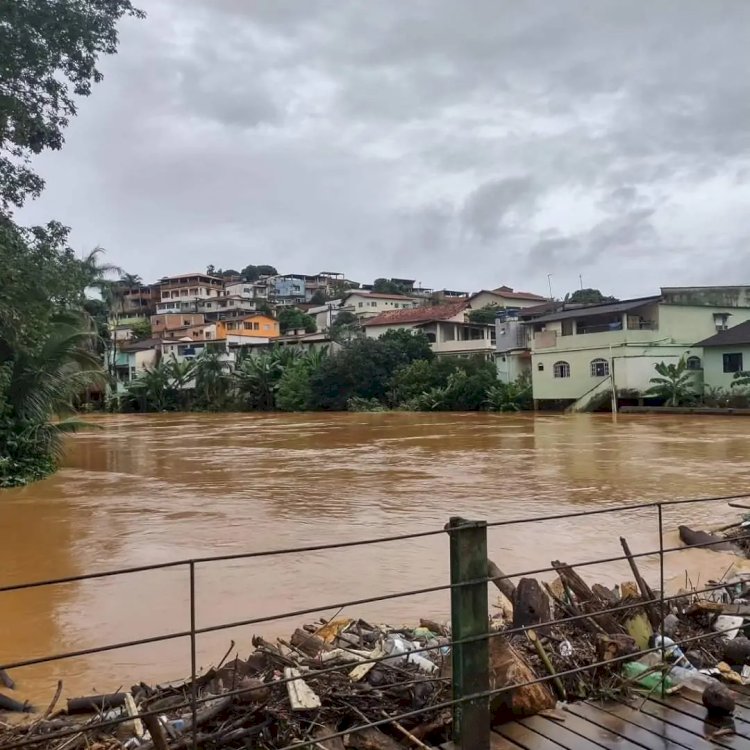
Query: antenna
[549, 281]
[580, 278]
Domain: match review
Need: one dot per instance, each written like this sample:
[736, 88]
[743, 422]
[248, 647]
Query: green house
[725, 354]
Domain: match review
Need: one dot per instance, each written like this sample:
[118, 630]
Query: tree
[673, 383]
[130, 280]
[38, 390]
[319, 297]
[291, 318]
[345, 327]
[49, 56]
[364, 367]
[141, 329]
[588, 297]
[510, 397]
[484, 315]
[253, 273]
[387, 286]
[211, 382]
[39, 277]
[294, 391]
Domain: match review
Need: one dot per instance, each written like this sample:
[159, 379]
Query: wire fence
[471, 631]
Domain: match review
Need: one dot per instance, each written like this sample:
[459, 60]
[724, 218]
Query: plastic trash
[691, 678]
[729, 625]
[653, 680]
[401, 649]
[565, 649]
[671, 621]
[673, 652]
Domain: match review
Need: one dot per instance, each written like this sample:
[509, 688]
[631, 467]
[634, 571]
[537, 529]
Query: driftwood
[88, 703]
[507, 668]
[156, 730]
[6, 680]
[530, 604]
[645, 589]
[500, 580]
[10, 704]
[308, 643]
[586, 599]
[697, 538]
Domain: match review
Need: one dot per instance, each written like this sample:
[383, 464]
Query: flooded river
[148, 489]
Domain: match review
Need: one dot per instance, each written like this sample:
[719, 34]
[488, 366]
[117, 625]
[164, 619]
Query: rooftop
[509, 293]
[738, 335]
[587, 310]
[415, 315]
[379, 295]
[189, 275]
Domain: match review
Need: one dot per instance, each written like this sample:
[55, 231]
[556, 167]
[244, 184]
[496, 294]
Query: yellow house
[251, 326]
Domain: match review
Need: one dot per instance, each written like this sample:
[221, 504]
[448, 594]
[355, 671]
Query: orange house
[258, 326]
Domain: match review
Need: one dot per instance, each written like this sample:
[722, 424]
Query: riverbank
[701, 410]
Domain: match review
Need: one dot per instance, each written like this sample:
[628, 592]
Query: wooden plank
[741, 712]
[697, 710]
[561, 733]
[641, 736]
[597, 733]
[496, 743]
[526, 738]
[696, 726]
[301, 696]
[660, 728]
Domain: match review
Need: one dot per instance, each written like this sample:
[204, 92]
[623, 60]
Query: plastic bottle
[651, 681]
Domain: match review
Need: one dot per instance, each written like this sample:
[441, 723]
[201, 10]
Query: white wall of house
[632, 353]
[485, 298]
[512, 365]
[714, 374]
[364, 305]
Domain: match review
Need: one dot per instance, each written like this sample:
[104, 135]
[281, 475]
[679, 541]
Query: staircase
[593, 398]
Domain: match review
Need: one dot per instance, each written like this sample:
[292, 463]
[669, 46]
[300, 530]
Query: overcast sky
[464, 144]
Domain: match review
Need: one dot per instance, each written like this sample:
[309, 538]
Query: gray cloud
[462, 144]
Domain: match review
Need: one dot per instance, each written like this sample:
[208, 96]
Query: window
[373, 304]
[693, 363]
[360, 304]
[540, 367]
[599, 368]
[567, 327]
[733, 362]
[256, 326]
[561, 370]
[721, 322]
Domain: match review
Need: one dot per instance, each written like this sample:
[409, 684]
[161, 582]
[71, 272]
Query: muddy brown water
[149, 489]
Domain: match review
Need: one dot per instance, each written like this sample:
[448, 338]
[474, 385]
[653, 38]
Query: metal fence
[471, 630]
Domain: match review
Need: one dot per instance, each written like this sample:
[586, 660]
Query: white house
[446, 326]
[369, 304]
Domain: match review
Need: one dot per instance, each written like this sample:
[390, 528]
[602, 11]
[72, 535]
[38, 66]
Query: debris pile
[549, 642]
[316, 684]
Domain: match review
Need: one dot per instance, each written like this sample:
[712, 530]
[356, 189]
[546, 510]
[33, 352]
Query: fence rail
[471, 632]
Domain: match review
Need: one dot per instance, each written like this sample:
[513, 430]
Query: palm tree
[153, 388]
[95, 274]
[38, 391]
[211, 381]
[675, 383]
[130, 280]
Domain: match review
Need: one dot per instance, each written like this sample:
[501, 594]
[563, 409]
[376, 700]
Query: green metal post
[470, 618]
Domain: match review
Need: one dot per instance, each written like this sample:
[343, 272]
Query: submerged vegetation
[396, 371]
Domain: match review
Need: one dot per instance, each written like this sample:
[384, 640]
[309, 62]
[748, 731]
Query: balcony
[468, 346]
[593, 339]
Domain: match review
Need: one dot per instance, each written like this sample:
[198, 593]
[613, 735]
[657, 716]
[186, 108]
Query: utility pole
[580, 279]
[549, 282]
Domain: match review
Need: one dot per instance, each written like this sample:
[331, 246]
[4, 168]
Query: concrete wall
[512, 365]
[364, 306]
[713, 365]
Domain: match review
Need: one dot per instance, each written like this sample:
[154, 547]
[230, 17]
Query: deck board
[561, 733]
[527, 738]
[639, 736]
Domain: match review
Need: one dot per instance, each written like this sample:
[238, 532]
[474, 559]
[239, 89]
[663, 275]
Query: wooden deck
[675, 723]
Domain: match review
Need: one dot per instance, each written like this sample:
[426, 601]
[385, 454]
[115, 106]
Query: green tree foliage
[387, 286]
[294, 392]
[212, 383]
[129, 281]
[673, 383]
[253, 273]
[364, 367]
[38, 390]
[589, 297]
[141, 329]
[345, 326]
[319, 297]
[485, 315]
[49, 54]
[510, 397]
[290, 318]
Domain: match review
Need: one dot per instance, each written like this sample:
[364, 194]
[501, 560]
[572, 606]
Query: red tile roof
[416, 315]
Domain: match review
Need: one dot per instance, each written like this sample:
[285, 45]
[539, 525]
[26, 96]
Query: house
[369, 304]
[242, 289]
[504, 298]
[305, 342]
[579, 355]
[725, 354]
[189, 287]
[446, 326]
[132, 303]
[132, 359]
[162, 325]
[247, 327]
